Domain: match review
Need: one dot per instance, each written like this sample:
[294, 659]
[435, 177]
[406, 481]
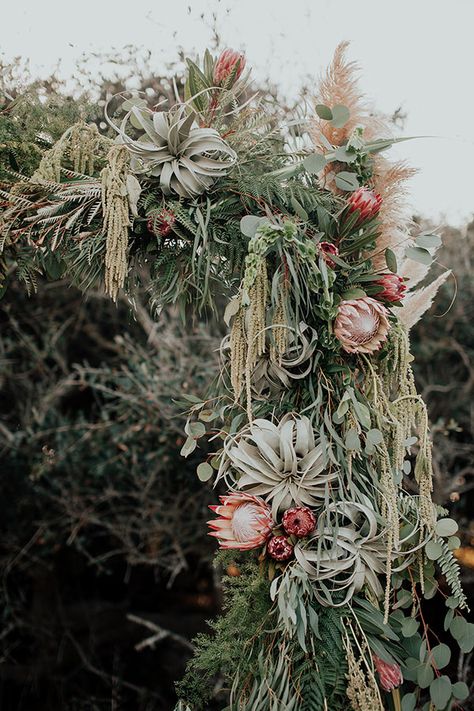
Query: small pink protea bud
[361, 325]
[390, 675]
[366, 201]
[326, 249]
[228, 61]
[393, 287]
[244, 521]
[280, 548]
[299, 521]
[165, 221]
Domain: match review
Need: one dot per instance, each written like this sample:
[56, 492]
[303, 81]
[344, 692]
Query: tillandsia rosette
[320, 444]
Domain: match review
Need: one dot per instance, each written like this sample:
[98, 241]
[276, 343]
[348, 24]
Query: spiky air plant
[344, 553]
[283, 463]
[187, 159]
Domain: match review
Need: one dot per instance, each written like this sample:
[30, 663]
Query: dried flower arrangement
[316, 419]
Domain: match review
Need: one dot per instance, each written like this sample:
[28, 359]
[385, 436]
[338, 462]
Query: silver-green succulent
[187, 159]
[282, 462]
[346, 552]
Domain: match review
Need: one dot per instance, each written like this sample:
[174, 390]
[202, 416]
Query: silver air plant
[283, 463]
[171, 146]
[346, 552]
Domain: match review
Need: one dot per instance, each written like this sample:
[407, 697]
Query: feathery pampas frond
[340, 86]
[420, 301]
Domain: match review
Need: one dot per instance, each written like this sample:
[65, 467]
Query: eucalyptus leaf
[418, 254]
[460, 691]
[425, 676]
[409, 626]
[204, 471]
[446, 527]
[340, 115]
[391, 260]
[188, 447]
[250, 223]
[314, 163]
[440, 691]
[441, 655]
[347, 181]
[324, 112]
[433, 550]
[428, 241]
[375, 436]
[408, 702]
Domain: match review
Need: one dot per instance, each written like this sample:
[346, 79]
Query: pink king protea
[361, 325]
[244, 521]
[366, 201]
[390, 675]
[299, 521]
[393, 287]
[225, 65]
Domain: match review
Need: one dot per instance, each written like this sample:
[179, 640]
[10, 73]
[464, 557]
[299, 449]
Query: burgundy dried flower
[394, 287]
[299, 521]
[165, 221]
[326, 249]
[226, 64]
[366, 201]
[390, 675]
[280, 548]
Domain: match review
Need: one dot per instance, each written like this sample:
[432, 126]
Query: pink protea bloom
[361, 325]
[390, 675]
[280, 548]
[244, 521]
[225, 65]
[393, 287]
[326, 249]
[366, 201]
[299, 521]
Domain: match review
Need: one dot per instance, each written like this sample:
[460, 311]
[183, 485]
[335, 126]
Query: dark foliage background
[104, 558]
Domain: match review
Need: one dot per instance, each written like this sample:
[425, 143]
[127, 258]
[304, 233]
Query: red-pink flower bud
[390, 675]
[326, 249]
[280, 548]
[393, 287]
[299, 521]
[366, 201]
[164, 222]
[228, 62]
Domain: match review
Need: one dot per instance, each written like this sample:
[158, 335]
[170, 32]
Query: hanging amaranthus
[362, 690]
[115, 207]
[81, 145]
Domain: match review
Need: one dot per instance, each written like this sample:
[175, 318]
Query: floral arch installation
[320, 440]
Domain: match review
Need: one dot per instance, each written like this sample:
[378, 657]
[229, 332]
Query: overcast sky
[415, 53]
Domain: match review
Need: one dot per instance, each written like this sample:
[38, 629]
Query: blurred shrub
[90, 433]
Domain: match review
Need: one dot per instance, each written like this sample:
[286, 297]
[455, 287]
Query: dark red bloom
[394, 287]
[326, 249]
[280, 548]
[390, 675]
[366, 201]
[299, 521]
[163, 222]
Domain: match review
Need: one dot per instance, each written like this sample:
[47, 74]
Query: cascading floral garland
[328, 526]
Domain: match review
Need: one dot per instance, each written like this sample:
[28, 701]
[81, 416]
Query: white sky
[415, 53]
